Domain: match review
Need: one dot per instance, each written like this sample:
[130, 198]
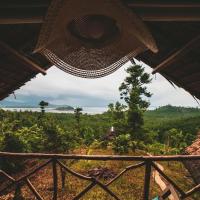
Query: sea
[86, 110]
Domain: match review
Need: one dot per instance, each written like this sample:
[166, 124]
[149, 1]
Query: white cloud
[63, 88]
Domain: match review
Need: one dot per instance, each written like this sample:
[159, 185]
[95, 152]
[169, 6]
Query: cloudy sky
[59, 88]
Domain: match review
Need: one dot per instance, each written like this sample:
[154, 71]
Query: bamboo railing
[149, 162]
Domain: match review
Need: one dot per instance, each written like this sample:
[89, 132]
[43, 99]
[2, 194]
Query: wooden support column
[147, 180]
[21, 58]
[55, 179]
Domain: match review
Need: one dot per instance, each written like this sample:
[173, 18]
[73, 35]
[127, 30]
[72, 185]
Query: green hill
[169, 113]
[167, 117]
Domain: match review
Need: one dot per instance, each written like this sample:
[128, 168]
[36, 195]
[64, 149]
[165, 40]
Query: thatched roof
[194, 166]
[175, 25]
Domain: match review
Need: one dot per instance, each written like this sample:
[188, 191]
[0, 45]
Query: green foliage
[173, 128]
[42, 105]
[12, 143]
[77, 114]
[167, 117]
[156, 148]
[121, 143]
[117, 116]
[88, 135]
[57, 139]
[33, 138]
[96, 144]
[133, 91]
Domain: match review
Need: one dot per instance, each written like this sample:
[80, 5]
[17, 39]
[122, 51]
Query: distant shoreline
[86, 110]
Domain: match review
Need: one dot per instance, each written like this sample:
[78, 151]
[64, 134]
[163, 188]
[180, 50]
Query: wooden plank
[25, 3]
[192, 191]
[21, 20]
[82, 193]
[154, 165]
[149, 14]
[7, 176]
[163, 4]
[98, 157]
[21, 58]
[166, 17]
[124, 171]
[177, 55]
[34, 191]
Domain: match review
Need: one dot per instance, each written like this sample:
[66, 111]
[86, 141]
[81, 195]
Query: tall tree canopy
[77, 114]
[135, 94]
[42, 105]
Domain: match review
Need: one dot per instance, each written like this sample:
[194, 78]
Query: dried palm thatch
[194, 166]
[92, 38]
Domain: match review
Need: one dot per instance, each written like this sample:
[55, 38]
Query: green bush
[12, 143]
[121, 143]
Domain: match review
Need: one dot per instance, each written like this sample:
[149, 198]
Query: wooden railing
[56, 160]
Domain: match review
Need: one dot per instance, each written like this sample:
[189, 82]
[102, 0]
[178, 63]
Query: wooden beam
[177, 55]
[154, 11]
[25, 3]
[162, 4]
[21, 20]
[21, 58]
[166, 17]
[97, 157]
[179, 17]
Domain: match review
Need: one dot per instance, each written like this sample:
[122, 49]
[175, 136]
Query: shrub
[12, 143]
[121, 144]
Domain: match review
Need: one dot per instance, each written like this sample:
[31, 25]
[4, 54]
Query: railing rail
[98, 157]
[55, 160]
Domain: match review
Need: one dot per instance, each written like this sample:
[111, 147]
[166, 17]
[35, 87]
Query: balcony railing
[56, 160]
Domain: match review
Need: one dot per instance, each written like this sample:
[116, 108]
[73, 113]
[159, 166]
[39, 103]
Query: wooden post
[147, 180]
[18, 193]
[55, 180]
[63, 176]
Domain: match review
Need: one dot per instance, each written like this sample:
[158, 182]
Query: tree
[118, 118]
[12, 143]
[42, 105]
[133, 91]
[77, 114]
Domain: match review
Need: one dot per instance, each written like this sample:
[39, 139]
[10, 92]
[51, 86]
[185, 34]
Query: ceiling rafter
[22, 59]
[21, 20]
[177, 55]
[147, 10]
[162, 4]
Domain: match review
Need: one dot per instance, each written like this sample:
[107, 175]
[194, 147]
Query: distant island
[17, 104]
[64, 108]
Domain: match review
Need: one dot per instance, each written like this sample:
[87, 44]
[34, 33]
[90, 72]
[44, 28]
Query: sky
[60, 88]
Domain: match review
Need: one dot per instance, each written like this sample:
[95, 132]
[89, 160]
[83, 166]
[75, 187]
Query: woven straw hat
[92, 38]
